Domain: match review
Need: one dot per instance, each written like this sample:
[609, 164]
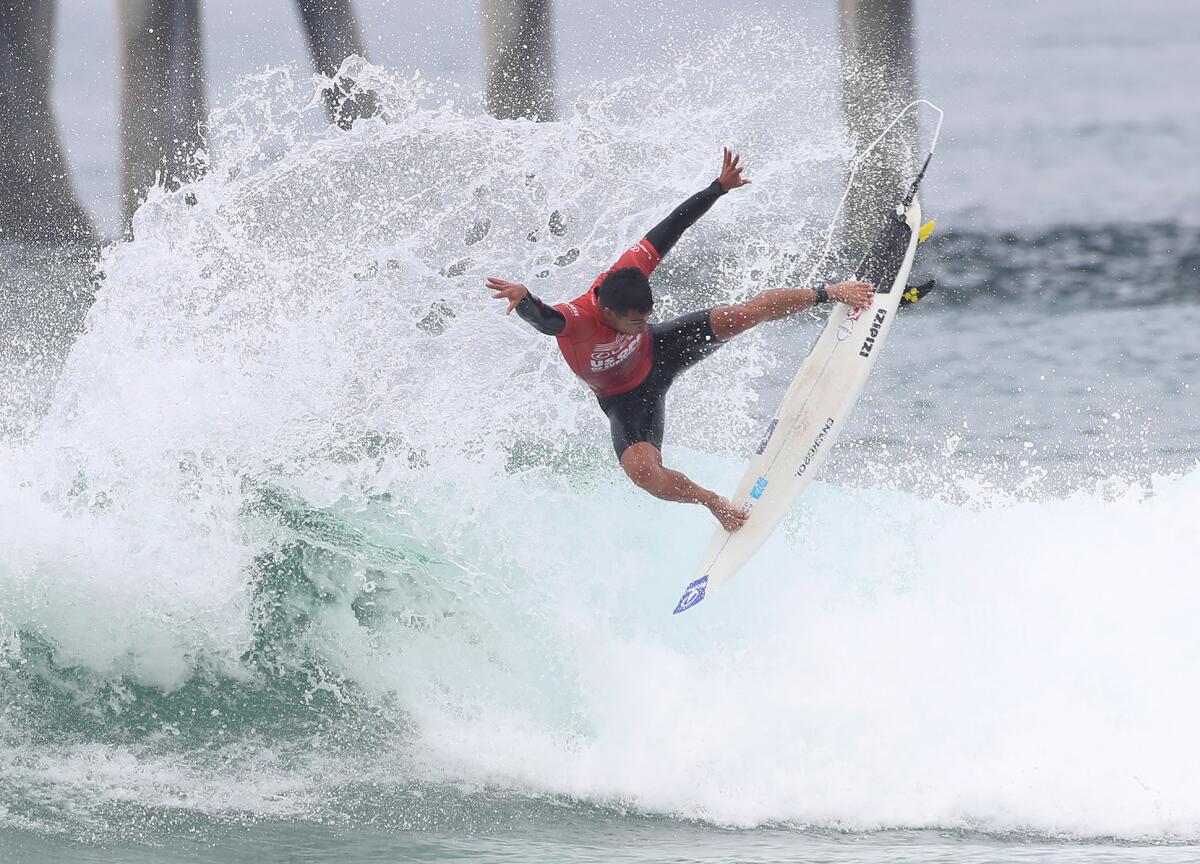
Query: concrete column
[519, 62]
[333, 35]
[878, 59]
[332, 32]
[162, 95]
[37, 203]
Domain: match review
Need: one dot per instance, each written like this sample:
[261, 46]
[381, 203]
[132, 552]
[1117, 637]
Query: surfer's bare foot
[730, 517]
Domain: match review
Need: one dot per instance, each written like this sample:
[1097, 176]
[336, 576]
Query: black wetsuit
[639, 414]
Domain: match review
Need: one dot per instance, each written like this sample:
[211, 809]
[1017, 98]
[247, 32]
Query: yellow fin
[926, 230]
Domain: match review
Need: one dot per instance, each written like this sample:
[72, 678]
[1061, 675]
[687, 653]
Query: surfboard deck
[815, 408]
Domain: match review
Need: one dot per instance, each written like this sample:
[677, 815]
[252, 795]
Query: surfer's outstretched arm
[643, 463]
[664, 235]
[543, 318]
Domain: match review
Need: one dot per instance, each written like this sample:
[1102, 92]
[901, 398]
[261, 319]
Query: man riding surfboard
[607, 340]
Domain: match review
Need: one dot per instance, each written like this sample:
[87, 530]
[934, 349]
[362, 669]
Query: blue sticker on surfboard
[693, 595]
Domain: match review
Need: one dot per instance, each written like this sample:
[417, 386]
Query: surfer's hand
[859, 294]
[731, 171]
[510, 291]
[731, 518]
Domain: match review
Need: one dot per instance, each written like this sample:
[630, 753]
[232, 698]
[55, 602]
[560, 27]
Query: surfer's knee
[643, 463]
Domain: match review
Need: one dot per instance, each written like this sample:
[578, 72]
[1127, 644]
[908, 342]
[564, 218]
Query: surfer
[607, 340]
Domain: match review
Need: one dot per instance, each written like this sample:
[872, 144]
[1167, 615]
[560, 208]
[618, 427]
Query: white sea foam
[1008, 667]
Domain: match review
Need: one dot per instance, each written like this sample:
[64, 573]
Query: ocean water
[310, 554]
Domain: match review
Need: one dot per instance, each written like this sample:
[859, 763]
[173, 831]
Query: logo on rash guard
[610, 354]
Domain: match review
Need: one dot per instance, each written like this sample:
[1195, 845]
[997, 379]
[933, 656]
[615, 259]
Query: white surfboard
[815, 408]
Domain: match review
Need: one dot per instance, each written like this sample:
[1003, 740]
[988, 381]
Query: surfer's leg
[682, 342]
[729, 321]
[643, 463]
[637, 421]
[636, 417]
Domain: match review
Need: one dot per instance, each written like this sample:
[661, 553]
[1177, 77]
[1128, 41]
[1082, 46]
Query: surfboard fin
[913, 293]
[926, 230]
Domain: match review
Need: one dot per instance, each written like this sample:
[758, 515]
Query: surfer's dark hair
[626, 290]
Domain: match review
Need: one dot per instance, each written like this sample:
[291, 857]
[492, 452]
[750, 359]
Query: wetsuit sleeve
[663, 235]
[543, 318]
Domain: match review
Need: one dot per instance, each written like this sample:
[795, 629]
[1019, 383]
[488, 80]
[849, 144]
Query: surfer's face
[631, 323]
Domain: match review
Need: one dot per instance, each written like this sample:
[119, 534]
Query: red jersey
[608, 361]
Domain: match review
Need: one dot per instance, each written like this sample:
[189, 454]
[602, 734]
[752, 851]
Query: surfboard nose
[692, 595]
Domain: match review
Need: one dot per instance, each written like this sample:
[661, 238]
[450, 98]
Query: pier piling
[519, 60]
[878, 72]
[37, 201]
[162, 95]
[333, 35]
